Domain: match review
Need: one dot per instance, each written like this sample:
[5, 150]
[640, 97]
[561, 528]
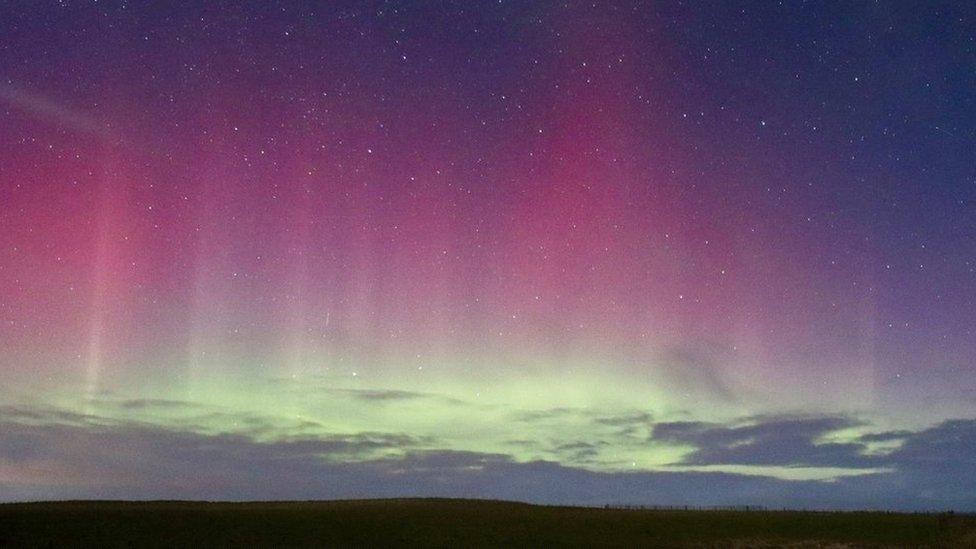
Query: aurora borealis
[565, 252]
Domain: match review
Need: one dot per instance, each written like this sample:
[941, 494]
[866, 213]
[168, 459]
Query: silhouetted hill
[457, 523]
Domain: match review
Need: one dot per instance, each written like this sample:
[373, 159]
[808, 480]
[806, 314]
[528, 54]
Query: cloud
[41, 107]
[794, 442]
[47, 454]
[550, 414]
[939, 464]
[886, 436]
[155, 403]
[390, 395]
[382, 394]
[324, 385]
[930, 468]
[139, 459]
[42, 415]
[580, 451]
[625, 420]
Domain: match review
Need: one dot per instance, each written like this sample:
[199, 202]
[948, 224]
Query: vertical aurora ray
[297, 242]
[96, 323]
[110, 280]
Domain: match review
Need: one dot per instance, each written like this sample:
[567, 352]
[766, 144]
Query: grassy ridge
[454, 523]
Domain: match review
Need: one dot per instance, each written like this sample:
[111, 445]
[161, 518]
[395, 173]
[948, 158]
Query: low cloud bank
[50, 454]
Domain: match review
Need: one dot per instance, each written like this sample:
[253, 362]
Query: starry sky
[574, 252]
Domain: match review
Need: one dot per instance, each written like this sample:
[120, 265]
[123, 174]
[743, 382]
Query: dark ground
[459, 523]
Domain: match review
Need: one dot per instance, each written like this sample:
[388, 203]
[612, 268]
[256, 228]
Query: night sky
[636, 252]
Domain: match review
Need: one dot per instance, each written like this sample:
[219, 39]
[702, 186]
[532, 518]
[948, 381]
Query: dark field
[459, 523]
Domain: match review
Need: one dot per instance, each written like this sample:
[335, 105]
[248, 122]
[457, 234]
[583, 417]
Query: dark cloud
[389, 395]
[383, 395]
[575, 446]
[625, 420]
[142, 458]
[886, 436]
[791, 442]
[356, 445]
[580, 451]
[549, 414]
[154, 404]
[42, 457]
[325, 386]
[626, 424]
[43, 415]
[939, 464]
